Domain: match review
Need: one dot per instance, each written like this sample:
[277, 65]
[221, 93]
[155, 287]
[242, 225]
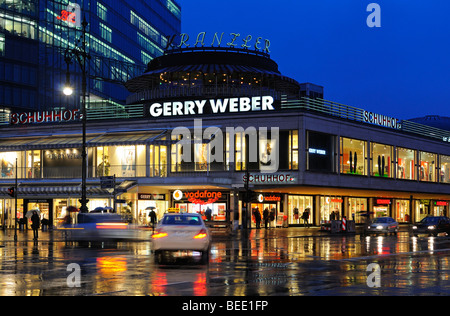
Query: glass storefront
[382, 207]
[444, 169]
[422, 209]
[427, 166]
[296, 206]
[357, 209]
[381, 157]
[330, 208]
[402, 211]
[353, 156]
[406, 163]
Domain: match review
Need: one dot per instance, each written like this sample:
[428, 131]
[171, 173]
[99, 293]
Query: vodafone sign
[198, 197]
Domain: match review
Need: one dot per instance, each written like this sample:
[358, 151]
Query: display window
[358, 209]
[381, 157]
[33, 163]
[353, 156]
[330, 208]
[218, 210]
[440, 208]
[402, 211]
[272, 213]
[427, 166]
[422, 209]
[444, 171]
[293, 150]
[8, 161]
[406, 164]
[297, 205]
[158, 161]
[122, 161]
[146, 206]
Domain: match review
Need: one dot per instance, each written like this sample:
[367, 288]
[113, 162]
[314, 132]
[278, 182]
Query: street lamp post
[80, 55]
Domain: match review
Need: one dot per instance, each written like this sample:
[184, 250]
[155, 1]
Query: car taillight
[111, 225]
[202, 234]
[158, 235]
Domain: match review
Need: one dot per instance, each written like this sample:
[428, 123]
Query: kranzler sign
[212, 106]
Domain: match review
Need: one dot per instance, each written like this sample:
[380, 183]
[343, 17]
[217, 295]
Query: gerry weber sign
[212, 106]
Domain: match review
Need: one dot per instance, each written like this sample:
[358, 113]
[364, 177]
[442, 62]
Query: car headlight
[414, 227]
[379, 227]
[431, 227]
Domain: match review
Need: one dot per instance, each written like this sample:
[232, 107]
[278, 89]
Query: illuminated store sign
[269, 198]
[45, 117]
[382, 120]
[198, 197]
[234, 40]
[212, 106]
[280, 178]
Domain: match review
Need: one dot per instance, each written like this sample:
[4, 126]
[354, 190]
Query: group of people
[267, 217]
[304, 217]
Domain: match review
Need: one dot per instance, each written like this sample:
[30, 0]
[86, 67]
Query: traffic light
[12, 192]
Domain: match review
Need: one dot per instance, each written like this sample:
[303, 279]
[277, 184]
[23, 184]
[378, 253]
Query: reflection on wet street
[292, 262]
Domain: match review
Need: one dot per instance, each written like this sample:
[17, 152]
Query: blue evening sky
[401, 69]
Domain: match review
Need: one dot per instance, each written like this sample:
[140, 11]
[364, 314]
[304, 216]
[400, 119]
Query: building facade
[219, 127]
[122, 37]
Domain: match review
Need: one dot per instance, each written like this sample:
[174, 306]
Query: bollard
[344, 224]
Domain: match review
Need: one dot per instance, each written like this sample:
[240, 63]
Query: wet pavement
[274, 262]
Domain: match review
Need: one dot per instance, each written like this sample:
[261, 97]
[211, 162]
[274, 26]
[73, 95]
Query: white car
[181, 234]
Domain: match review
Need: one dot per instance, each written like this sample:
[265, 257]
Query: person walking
[305, 217]
[266, 217]
[257, 215]
[153, 219]
[35, 224]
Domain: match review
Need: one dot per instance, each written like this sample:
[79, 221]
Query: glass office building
[122, 37]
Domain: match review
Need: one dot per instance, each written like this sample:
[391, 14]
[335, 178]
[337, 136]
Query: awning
[59, 142]
[59, 191]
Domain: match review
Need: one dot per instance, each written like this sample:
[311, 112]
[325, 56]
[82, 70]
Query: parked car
[181, 235]
[382, 225]
[432, 225]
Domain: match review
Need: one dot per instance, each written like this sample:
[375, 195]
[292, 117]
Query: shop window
[103, 167]
[444, 169]
[298, 205]
[402, 211]
[427, 166]
[293, 150]
[358, 209]
[176, 154]
[239, 151]
[330, 208]
[406, 164]
[8, 164]
[321, 154]
[353, 156]
[381, 158]
[33, 164]
[158, 161]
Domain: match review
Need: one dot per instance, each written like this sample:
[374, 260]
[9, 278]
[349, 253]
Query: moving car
[101, 227]
[432, 225]
[181, 234]
[382, 225]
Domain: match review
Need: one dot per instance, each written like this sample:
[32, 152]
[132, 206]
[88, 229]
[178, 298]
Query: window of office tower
[353, 156]
[381, 160]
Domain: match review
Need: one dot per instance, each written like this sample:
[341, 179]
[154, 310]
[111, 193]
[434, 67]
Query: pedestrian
[153, 218]
[257, 215]
[208, 214]
[305, 217]
[266, 217]
[272, 216]
[35, 224]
